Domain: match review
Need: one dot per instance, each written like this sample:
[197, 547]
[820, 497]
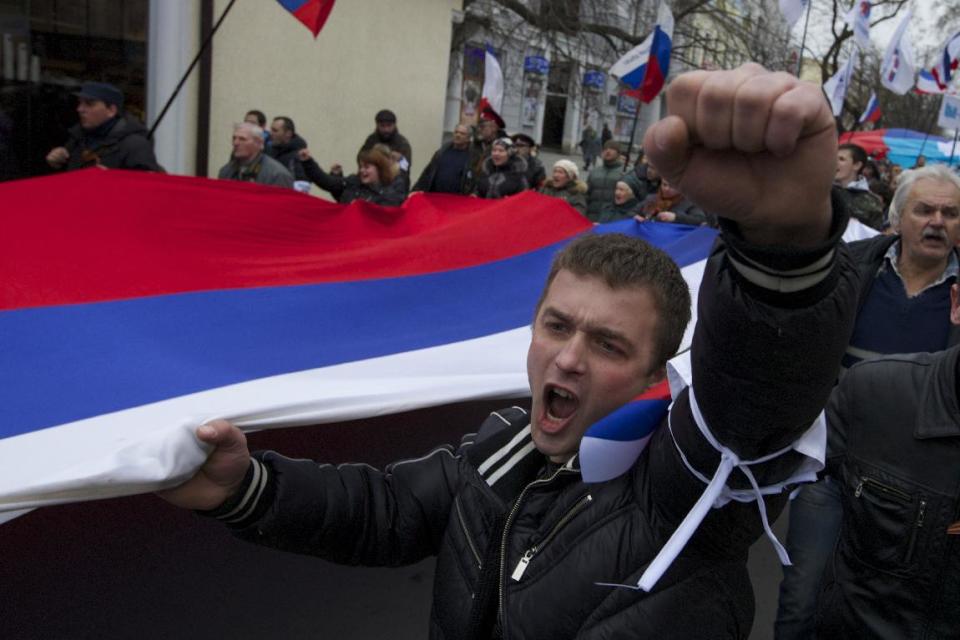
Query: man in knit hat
[387, 133]
[564, 182]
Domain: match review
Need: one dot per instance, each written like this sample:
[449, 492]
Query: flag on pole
[897, 70]
[646, 66]
[255, 304]
[859, 20]
[491, 97]
[944, 68]
[949, 112]
[312, 13]
[927, 83]
[837, 86]
[792, 10]
[872, 112]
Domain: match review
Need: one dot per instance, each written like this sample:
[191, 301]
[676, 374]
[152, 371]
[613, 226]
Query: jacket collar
[939, 411]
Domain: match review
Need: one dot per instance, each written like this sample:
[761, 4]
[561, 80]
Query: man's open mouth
[559, 405]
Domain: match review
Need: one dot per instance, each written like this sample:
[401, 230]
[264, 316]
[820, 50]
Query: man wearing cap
[602, 180]
[536, 173]
[386, 133]
[105, 136]
[490, 127]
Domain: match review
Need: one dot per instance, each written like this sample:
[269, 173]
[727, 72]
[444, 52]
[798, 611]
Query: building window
[48, 48]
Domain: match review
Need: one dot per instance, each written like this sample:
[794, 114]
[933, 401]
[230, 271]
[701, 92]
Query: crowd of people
[481, 160]
[790, 320]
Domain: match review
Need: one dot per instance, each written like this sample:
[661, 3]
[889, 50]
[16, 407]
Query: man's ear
[955, 304]
[113, 110]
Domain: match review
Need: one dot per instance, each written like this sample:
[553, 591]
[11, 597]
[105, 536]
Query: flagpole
[803, 40]
[926, 136]
[196, 59]
[633, 133]
[956, 134]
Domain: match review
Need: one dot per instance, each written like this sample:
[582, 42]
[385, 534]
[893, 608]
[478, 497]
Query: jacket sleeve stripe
[781, 281]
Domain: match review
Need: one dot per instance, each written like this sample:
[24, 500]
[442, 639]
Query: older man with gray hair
[904, 307]
[249, 163]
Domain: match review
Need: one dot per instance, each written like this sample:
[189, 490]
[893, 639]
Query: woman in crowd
[565, 183]
[504, 172]
[624, 205]
[668, 204]
[377, 180]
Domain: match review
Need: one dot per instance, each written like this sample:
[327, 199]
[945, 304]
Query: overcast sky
[924, 29]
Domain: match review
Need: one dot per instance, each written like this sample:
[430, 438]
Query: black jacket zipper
[528, 555]
[466, 533]
[503, 538]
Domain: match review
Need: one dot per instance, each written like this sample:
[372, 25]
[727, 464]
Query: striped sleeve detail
[783, 281]
[244, 504]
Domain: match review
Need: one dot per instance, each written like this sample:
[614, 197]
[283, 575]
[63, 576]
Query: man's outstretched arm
[777, 300]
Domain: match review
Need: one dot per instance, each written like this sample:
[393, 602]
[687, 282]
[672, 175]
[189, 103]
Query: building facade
[370, 55]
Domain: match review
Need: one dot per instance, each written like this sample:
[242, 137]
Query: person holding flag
[527, 548]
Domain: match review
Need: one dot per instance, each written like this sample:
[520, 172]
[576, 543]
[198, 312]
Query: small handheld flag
[872, 112]
[312, 13]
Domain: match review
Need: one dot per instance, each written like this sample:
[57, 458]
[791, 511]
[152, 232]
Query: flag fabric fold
[871, 112]
[491, 96]
[645, 67]
[944, 69]
[611, 445]
[312, 13]
[897, 71]
[176, 300]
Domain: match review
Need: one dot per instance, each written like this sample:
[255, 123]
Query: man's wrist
[246, 502]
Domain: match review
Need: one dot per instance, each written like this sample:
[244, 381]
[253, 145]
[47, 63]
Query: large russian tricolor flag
[136, 306]
[646, 66]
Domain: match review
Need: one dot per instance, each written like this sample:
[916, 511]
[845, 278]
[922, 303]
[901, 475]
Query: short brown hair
[621, 262]
[379, 156]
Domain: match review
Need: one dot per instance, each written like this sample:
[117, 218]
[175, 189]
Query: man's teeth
[563, 394]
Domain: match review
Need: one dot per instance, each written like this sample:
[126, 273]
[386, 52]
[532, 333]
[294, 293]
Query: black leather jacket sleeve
[353, 513]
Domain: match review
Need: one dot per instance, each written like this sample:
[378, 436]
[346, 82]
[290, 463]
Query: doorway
[553, 121]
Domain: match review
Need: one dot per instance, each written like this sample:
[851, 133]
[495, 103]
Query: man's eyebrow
[593, 330]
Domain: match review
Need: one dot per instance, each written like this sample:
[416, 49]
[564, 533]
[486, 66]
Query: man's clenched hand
[752, 146]
[220, 476]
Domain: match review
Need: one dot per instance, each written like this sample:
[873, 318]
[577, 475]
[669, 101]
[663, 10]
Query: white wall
[370, 55]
